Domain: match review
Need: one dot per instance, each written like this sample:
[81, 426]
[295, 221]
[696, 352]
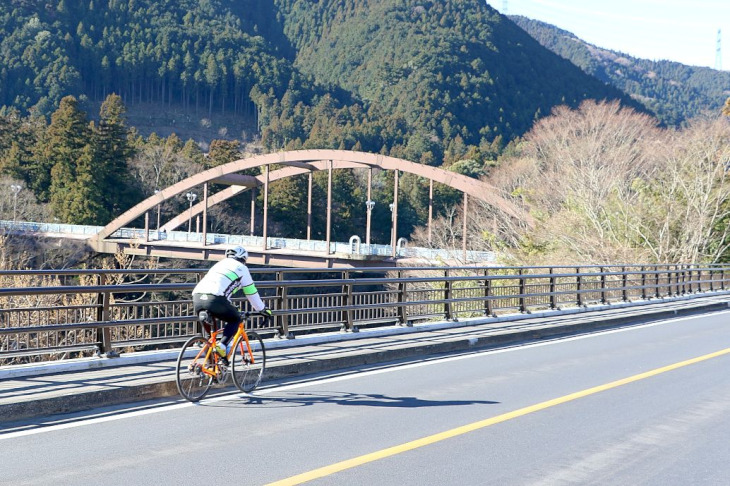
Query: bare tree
[576, 172]
[160, 165]
[16, 201]
[686, 208]
[606, 185]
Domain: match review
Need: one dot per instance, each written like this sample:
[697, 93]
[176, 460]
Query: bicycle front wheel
[192, 383]
[249, 362]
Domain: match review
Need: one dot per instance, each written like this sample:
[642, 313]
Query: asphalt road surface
[642, 405]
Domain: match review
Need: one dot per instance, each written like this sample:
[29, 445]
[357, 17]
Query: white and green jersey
[226, 277]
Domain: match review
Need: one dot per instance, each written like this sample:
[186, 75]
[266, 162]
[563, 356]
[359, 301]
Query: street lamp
[369, 205]
[191, 197]
[16, 189]
[157, 191]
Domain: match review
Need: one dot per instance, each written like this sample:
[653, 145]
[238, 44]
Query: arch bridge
[275, 166]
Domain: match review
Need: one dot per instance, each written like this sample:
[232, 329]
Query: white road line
[295, 386]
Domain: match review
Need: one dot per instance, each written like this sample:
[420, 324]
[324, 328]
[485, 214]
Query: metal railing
[69, 313]
[293, 244]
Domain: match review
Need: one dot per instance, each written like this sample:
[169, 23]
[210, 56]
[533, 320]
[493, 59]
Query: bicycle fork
[242, 332]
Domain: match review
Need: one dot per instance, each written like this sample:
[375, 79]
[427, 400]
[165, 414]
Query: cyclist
[213, 293]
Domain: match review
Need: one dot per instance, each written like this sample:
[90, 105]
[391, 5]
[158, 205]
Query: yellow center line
[432, 439]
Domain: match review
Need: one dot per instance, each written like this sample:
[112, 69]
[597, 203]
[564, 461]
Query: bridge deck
[39, 390]
[280, 252]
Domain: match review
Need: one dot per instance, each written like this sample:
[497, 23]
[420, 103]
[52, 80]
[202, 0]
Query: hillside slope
[673, 91]
[405, 77]
[450, 68]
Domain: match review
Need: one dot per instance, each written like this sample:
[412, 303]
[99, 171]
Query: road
[641, 405]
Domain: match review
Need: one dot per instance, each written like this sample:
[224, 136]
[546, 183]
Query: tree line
[190, 53]
[441, 81]
[445, 83]
[603, 184]
[89, 172]
[77, 166]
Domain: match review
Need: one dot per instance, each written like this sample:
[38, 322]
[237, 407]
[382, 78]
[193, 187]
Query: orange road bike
[199, 366]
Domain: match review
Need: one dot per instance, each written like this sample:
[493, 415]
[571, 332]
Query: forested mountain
[197, 54]
[424, 74]
[674, 92]
[442, 82]
[457, 72]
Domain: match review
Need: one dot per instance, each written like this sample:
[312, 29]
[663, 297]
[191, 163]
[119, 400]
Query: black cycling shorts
[218, 306]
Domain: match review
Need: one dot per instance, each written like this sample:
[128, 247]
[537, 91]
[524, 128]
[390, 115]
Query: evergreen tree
[114, 150]
[68, 136]
[83, 201]
[90, 181]
[18, 136]
[192, 151]
[288, 204]
[222, 151]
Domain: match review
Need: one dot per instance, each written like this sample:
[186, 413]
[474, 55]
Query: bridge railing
[71, 313]
[294, 244]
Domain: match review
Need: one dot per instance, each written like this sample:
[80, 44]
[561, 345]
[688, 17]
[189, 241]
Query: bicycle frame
[210, 348]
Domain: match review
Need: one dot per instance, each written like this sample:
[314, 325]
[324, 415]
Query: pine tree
[111, 173]
[90, 181]
[288, 203]
[67, 137]
[83, 202]
[223, 151]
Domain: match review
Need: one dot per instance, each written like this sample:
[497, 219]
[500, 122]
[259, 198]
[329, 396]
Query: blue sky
[678, 30]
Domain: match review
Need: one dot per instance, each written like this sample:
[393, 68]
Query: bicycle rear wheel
[248, 363]
[192, 383]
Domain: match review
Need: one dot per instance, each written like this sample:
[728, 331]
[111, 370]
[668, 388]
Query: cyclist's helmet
[237, 252]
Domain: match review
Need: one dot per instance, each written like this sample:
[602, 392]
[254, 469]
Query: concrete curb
[82, 364]
[469, 340]
[79, 402]
[492, 340]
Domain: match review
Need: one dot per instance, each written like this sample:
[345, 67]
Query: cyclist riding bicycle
[213, 293]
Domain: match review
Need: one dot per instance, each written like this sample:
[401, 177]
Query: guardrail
[69, 313]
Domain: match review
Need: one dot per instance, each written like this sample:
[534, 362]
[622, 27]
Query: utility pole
[718, 51]
[16, 189]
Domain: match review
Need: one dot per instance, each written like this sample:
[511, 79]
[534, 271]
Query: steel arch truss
[295, 163]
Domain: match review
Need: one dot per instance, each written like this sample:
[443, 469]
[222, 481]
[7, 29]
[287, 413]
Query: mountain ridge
[675, 92]
[430, 81]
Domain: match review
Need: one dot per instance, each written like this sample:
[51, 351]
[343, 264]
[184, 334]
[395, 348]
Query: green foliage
[222, 151]
[190, 52]
[446, 83]
[18, 137]
[453, 71]
[423, 80]
[288, 204]
[65, 141]
[672, 91]
[113, 152]
[82, 169]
